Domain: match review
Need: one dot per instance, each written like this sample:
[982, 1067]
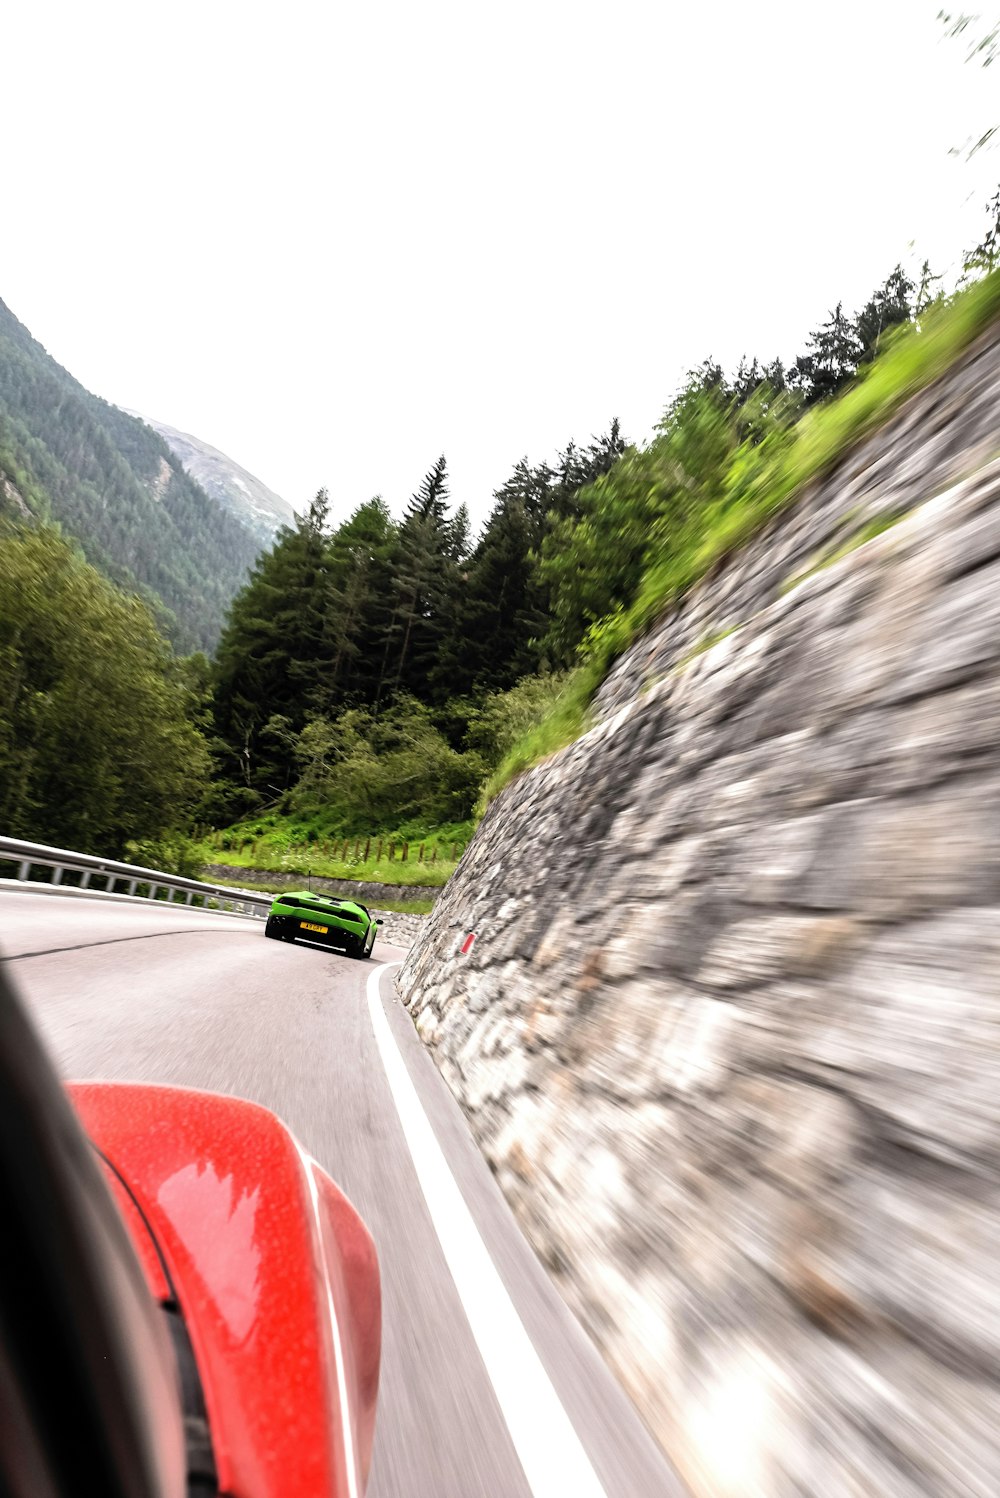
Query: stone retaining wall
[730, 1032]
[399, 929]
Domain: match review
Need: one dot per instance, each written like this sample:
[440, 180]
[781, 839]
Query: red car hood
[274, 1273]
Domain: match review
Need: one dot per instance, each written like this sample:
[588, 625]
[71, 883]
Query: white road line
[549, 1449]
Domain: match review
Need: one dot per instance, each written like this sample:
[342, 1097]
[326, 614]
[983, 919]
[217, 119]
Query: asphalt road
[202, 1000]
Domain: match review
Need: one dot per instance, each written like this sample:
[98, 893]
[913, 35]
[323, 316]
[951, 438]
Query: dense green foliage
[390, 778]
[97, 746]
[373, 677]
[373, 669]
[381, 768]
[359, 669]
[112, 483]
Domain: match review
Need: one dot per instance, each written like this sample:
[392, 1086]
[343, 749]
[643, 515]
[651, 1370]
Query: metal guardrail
[28, 856]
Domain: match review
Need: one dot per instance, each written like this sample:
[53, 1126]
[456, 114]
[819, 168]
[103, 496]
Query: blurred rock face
[730, 1032]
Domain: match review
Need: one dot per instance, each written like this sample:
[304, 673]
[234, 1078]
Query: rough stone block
[766, 948]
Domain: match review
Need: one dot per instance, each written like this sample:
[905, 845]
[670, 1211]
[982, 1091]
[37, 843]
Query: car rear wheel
[272, 928]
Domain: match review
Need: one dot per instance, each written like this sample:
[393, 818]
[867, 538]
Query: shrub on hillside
[380, 771]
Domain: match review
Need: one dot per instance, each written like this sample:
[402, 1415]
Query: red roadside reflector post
[466, 946]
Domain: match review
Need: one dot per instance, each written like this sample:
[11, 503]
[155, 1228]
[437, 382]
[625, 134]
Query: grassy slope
[287, 845]
[762, 482]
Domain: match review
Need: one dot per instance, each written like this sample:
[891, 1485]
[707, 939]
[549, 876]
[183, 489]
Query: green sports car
[323, 919]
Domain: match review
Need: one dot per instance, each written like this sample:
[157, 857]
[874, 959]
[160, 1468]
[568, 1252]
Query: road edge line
[548, 1447]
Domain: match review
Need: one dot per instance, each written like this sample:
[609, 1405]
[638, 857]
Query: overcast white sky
[335, 240]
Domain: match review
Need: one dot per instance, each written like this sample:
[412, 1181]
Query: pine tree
[422, 589]
[497, 613]
[458, 535]
[889, 306]
[359, 560]
[273, 653]
[532, 488]
[834, 353]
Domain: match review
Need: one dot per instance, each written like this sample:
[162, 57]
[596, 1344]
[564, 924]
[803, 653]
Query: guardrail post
[152, 891]
[131, 886]
[85, 879]
[57, 874]
[190, 897]
[24, 870]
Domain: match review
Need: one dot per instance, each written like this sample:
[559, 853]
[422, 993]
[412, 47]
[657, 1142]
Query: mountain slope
[251, 502]
[114, 485]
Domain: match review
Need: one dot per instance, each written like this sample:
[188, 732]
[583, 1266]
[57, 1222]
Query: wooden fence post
[368, 844]
[420, 855]
[392, 851]
[357, 848]
[434, 853]
[347, 844]
[406, 851]
[378, 855]
[453, 852]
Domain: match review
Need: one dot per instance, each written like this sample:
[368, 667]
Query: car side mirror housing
[379, 921]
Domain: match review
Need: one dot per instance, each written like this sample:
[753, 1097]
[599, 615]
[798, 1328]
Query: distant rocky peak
[252, 503]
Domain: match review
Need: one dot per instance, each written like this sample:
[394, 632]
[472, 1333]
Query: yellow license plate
[308, 926]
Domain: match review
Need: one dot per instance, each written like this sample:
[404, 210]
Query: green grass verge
[407, 907]
[762, 482]
[381, 872]
[303, 845]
